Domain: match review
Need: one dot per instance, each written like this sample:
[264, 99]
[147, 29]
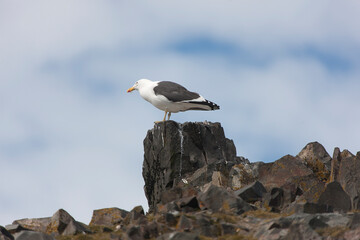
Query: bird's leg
[163, 119]
[165, 116]
[169, 114]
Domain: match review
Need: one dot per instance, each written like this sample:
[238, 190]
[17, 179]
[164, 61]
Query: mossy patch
[265, 214]
[334, 232]
[225, 217]
[96, 236]
[236, 237]
[99, 233]
[319, 169]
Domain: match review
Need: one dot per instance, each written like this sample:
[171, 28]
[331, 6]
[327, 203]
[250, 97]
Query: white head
[140, 83]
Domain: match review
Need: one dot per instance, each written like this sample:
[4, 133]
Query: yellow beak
[131, 89]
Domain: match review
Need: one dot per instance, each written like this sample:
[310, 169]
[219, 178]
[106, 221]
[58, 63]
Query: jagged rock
[336, 197]
[356, 203]
[355, 221]
[316, 157]
[115, 237]
[307, 207]
[336, 162]
[170, 219]
[203, 226]
[62, 223]
[14, 228]
[134, 233]
[136, 216]
[349, 176]
[139, 232]
[318, 222]
[313, 208]
[171, 207]
[218, 179]
[4, 234]
[108, 216]
[228, 229]
[170, 195]
[189, 204]
[218, 199]
[335, 165]
[31, 235]
[267, 231]
[252, 193]
[301, 232]
[351, 235]
[35, 224]
[243, 174]
[276, 200]
[310, 186]
[282, 171]
[178, 236]
[151, 230]
[184, 223]
[174, 152]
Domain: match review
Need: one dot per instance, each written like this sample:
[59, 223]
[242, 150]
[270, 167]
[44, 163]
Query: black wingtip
[213, 105]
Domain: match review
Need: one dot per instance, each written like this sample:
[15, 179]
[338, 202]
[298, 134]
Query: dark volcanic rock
[14, 228]
[316, 157]
[30, 235]
[184, 223]
[243, 174]
[276, 198]
[282, 171]
[301, 232]
[170, 219]
[336, 197]
[175, 151]
[317, 208]
[135, 233]
[4, 234]
[189, 204]
[355, 221]
[310, 186]
[178, 236]
[35, 224]
[63, 223]
[108, 216]
[218, 199]
[203, 226]
[252, 193]
[318, 222]
[145, 231]
[338, 156]
[136, 216]
[349, 176]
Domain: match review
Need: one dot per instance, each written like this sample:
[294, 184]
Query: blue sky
[284, 74]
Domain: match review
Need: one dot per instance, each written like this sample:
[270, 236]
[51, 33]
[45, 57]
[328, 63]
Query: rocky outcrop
[5, 234]
[317, 159]
[174, 152]
[61, 223]
[198, 188]
[177, 167]
[108, 217]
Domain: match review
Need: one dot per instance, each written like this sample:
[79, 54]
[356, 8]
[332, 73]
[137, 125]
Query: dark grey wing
[174, 92]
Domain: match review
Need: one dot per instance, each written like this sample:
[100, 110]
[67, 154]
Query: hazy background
[285, 73]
